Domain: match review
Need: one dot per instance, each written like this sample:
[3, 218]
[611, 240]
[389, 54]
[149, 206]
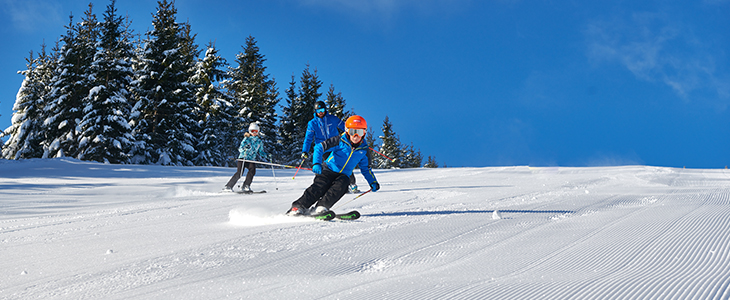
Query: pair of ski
[330, 215]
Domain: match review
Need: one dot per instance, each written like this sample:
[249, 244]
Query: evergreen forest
[105, 93]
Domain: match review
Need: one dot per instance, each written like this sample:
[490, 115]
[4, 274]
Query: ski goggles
[356, 132]
[320, 111]
[253, 131]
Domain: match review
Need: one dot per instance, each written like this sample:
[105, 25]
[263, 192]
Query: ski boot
[296, 210]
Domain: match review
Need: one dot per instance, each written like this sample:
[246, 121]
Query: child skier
[251, 146]
[333, 174]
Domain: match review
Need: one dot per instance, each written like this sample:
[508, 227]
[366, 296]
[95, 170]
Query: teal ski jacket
[251, 146]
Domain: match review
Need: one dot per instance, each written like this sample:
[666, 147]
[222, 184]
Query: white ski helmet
[253, 127]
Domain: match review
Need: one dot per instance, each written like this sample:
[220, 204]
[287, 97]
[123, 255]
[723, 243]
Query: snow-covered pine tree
[370, 139]
[254, 95]
[289, 127]
[217, 108]
[26, 130]
[336, 104]
[431, 162]
[165, 116]
[273, 147]
[106, 134]
[189, 53]
[411, 158]
[309, 94]
[390, 147]
[69, 88]
[297, 113]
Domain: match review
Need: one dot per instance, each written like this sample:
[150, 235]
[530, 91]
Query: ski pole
[272, 164]
[381, 154]
[272, 172]
[353, 199]
[299, 167]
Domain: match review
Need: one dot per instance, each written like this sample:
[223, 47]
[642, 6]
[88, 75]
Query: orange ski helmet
[356, 122]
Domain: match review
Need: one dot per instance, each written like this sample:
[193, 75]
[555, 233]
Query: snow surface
[80, 230]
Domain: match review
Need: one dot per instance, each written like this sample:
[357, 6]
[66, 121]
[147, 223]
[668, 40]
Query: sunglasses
[320, 111]
[356, 132]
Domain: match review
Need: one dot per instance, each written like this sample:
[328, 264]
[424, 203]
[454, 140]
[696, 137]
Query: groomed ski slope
[80, 230]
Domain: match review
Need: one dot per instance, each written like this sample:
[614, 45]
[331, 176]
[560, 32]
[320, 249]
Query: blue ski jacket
[344, 156]
[250, 147]
[320, 129]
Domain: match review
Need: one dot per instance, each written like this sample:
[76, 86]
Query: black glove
[305, 155]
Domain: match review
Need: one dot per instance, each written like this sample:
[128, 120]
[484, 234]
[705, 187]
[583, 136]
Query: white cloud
[659, 48]
[32, 15]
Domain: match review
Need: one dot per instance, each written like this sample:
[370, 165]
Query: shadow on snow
[456, 212]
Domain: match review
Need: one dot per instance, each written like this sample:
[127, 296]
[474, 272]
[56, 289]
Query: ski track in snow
[77, 230]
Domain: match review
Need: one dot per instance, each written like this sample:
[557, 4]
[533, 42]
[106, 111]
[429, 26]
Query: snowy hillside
[78, 230]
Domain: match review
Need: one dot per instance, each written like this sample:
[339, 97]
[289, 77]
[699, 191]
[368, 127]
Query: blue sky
[473, 83]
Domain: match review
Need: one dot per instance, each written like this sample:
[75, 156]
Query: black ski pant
[326, 190]
[240, 165]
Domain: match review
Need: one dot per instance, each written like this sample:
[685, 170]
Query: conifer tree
[189, 50]
[270, 120]
[69, 88]
[106, 134]
[336, 104]
[390, 147]
[411, 158]
[165, 116]
[309, 85]
[431, 162]
[289, 126]
[370, 139]
[217, 109]
[309, 94]
[26, 131]
[254, 95]
[297, 114]
[400, 156]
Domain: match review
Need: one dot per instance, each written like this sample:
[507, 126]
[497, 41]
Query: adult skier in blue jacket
[322, 127]
[330, 184]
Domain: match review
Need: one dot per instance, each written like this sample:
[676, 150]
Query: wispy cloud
[32, 15]
[659, 48]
